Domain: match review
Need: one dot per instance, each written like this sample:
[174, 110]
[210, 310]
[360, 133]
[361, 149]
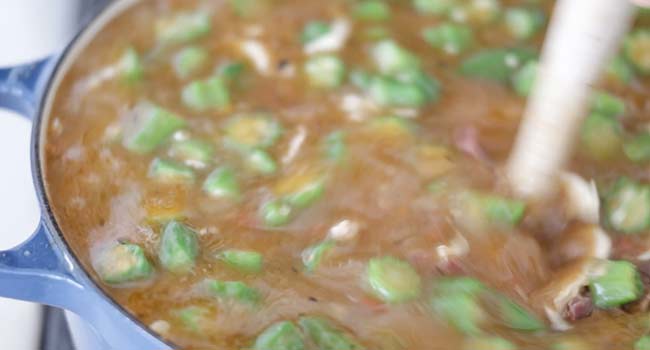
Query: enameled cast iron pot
[44, 269]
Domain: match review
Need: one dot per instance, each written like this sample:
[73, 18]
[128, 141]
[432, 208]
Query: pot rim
[62, 62]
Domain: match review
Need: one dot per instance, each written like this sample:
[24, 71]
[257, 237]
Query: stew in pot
[302, 174]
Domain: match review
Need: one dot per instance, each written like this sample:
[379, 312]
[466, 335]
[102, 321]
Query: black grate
[55, 333]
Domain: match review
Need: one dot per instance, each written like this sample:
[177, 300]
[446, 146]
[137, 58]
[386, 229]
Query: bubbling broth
[302, 174]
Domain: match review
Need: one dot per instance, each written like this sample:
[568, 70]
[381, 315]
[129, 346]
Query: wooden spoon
[583, 37]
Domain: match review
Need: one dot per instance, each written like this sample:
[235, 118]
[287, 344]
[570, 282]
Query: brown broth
[100, 191]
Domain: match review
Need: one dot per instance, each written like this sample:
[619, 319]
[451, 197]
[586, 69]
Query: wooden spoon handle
[582, 38]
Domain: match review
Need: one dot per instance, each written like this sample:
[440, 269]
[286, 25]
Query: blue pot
[44, 269]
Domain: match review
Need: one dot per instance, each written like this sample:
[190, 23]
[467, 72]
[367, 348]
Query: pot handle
[34, 271]
[21, 86]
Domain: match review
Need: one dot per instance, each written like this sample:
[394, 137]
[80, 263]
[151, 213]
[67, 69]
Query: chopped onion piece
[334, 40]
[602, 243]
[358, 108]
[258, 54]
[582, 196]
[160, 326]
[96, 79]
[294, 145]
[344, 230]
[557, 321]
[458, 246]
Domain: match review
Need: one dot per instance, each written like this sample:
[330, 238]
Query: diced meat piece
[578, 308]
[466, 139]
[562, 290]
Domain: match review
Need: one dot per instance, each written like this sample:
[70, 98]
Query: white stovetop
[19, 215]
